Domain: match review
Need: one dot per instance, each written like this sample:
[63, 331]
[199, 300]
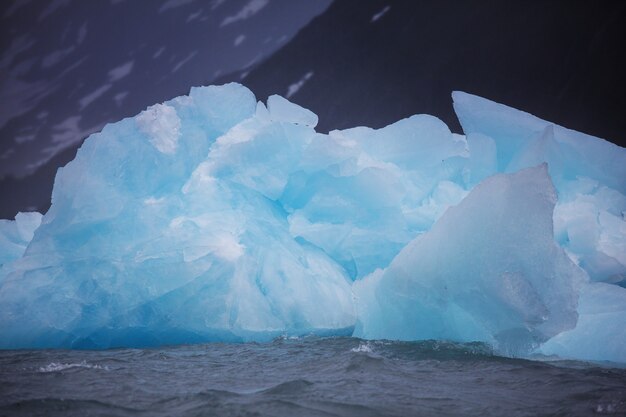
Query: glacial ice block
[282, 110]
[214, 217]
[361, 194]
[589, 174]
[600, 333]
[524, 140]
[488, 270]
[145, 245]
[211, 217]
[15, 236]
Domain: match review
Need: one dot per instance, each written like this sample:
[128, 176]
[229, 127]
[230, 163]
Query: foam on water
[56, 367]
[363, 348]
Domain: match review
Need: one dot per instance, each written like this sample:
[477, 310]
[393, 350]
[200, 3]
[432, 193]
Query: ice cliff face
[214, 217]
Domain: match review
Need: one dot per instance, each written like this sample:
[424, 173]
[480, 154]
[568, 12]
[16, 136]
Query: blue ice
[216, 217]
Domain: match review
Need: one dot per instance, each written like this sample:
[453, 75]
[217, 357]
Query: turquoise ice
[589, 174]
[15, 235]
[216, 217]
[488, 270]
[600, 333]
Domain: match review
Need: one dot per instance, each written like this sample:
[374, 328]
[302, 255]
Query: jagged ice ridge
[216, 217]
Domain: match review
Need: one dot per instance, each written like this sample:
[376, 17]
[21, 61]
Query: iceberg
[217, 217]
[145, 245]
[589, 174]
[489, 270]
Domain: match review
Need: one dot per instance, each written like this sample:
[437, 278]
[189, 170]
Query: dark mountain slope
[560, 60]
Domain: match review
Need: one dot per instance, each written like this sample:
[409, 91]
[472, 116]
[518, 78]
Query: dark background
[560, 60]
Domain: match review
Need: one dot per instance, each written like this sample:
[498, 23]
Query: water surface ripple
[304, 377]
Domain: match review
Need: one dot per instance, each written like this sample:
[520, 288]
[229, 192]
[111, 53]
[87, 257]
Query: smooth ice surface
[282, 110]
[601, 330]
[589, 174]
[488, 270]
[216, 217]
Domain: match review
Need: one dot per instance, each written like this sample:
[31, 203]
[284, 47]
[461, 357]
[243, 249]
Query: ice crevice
[214, 217]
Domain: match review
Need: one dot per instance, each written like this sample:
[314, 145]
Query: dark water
[304, 377]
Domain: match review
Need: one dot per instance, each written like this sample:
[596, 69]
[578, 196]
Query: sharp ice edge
[214, 217]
